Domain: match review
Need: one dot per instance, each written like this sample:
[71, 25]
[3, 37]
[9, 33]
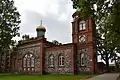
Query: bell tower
[84, 35]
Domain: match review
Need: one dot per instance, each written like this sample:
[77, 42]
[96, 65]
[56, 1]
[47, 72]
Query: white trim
[82, 38]
[82, 25]
[51, 61]
[61, 58]
[82, 59]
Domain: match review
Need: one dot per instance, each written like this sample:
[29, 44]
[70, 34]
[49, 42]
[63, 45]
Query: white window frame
[82, 25]
[51, 61]
[82, 59]
[28, 62]
[61, 60]
[32, 61]
[25, 61]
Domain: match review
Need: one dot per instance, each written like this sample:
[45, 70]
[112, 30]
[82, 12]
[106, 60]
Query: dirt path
[106, 76]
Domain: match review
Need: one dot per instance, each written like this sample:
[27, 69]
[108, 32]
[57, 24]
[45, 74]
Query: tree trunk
[107, 63]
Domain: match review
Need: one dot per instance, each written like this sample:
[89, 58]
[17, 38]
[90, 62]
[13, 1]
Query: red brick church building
[37, 55]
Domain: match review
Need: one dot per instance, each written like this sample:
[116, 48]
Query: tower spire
[41, 23]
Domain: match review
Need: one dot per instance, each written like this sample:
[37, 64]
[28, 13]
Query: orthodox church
[37, 55]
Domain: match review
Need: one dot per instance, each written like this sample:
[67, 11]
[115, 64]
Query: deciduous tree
[9, 24]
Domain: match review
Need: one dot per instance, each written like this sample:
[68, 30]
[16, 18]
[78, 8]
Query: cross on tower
[41, 23]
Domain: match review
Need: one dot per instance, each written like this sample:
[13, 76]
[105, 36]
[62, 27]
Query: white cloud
[56, 14]
[41, 6]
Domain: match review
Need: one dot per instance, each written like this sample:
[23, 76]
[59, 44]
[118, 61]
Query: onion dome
[41, 28]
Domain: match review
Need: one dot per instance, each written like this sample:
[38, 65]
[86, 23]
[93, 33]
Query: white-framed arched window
[51, 60]
[61, 60]
[82, 59]
[28, 62]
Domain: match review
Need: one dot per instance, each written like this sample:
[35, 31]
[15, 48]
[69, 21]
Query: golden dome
[41, 28]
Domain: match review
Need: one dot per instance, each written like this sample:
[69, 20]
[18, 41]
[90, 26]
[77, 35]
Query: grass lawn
[43, 77]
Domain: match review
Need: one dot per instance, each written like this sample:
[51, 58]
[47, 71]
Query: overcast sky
[55, 14]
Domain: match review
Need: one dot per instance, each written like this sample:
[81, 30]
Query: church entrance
[28, 63]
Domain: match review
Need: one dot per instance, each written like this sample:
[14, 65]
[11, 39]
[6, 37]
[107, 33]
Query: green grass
[42, 77]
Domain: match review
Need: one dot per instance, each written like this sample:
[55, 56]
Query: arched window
[82, 59]
[61, 60]
[51, 61]
[28, 62]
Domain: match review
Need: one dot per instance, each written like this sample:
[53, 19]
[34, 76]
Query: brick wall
[67, 51]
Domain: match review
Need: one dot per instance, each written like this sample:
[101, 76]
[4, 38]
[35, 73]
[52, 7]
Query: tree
[25, 37]
[107, 44]
[106, 14]
[115, 17]
[9, 24]
[56, 42]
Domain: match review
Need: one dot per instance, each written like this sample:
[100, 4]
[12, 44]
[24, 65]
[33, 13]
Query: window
[82, 59]
[28, 62]
[82, 38]
[25, 59]
[51, 61]
[61, 60]
[32, 62]
[82, 25]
